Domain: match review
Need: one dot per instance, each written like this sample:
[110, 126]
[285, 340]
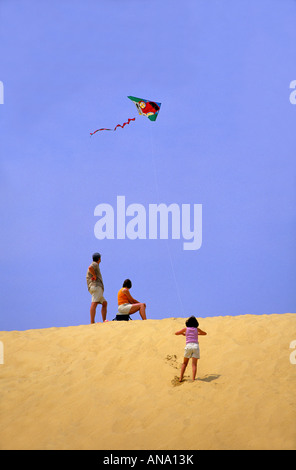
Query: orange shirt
[122, 297]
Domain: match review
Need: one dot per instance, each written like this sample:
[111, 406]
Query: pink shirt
[191, 335]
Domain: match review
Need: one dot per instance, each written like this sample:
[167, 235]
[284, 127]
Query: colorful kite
[146, 108]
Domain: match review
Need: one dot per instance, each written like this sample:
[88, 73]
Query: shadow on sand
[207, 378]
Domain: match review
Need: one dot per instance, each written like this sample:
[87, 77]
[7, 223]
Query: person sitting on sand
[127, 304]
[95, 287]
[192, 347]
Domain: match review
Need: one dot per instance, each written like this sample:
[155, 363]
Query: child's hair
[127, 283]
[192, 322]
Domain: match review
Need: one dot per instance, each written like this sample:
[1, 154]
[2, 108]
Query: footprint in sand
[172, 360]
[175, 381]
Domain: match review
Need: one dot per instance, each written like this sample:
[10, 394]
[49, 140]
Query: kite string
[167, 243]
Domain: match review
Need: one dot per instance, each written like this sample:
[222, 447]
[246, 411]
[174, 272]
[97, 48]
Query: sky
[224, 141]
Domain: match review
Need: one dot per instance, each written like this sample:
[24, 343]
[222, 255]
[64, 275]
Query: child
[192, 347]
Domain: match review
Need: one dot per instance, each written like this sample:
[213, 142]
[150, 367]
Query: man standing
[96, 288]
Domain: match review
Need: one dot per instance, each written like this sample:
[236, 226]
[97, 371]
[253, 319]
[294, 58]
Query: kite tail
[103, 129]
[118, 125]
[125, 123]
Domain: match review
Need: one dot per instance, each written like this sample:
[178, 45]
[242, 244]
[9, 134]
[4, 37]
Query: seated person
[127, 304]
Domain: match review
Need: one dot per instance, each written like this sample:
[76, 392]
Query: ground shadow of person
[209, 377]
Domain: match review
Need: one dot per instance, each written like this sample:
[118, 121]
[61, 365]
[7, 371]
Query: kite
[147, 108]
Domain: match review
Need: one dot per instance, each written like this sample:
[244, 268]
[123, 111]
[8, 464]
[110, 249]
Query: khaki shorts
[97, 294]
[192, 350]
[124, 309]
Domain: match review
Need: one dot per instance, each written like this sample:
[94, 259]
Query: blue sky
[224, 138]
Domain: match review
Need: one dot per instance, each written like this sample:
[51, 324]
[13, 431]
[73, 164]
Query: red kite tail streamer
[125, 123]
[118, 125]
[103, 129]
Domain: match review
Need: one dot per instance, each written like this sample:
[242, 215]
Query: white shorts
[97, 294]
[124, 309]
[192, 350]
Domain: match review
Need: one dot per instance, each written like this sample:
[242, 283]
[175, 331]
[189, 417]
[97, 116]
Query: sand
[115, 386]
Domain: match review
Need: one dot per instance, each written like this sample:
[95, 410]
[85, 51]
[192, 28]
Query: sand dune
[114, 386]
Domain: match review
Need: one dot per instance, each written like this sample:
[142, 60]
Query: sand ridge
[115, 386]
